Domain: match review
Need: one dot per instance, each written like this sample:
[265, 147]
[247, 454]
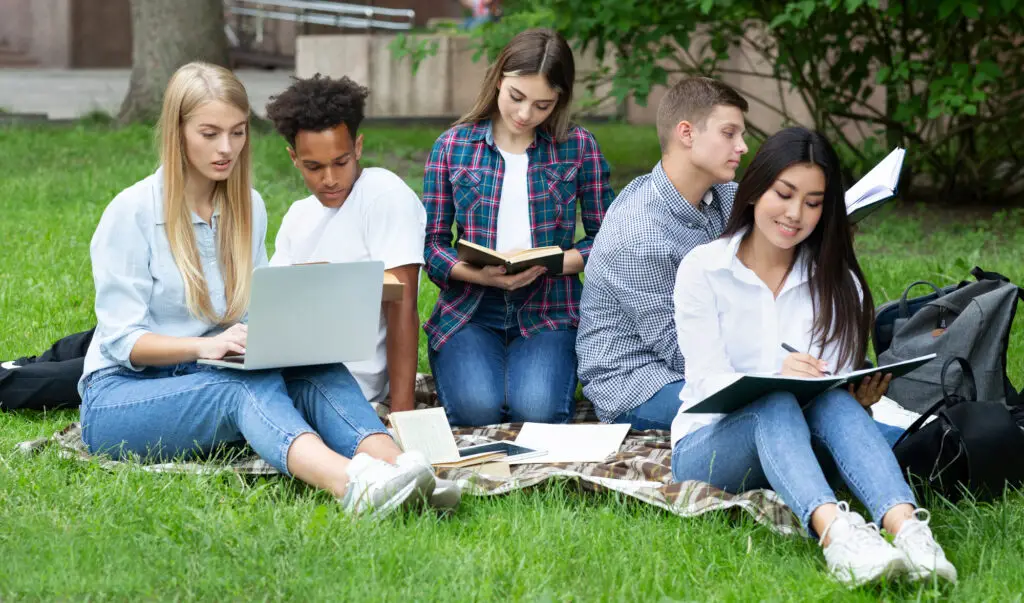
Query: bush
[950, 70]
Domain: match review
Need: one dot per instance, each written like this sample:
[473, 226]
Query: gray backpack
[970, 320]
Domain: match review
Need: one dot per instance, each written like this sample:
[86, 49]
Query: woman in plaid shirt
[508, 177]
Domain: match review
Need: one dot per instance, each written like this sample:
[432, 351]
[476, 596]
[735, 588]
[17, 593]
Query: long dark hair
[531, 52]
[841, 316]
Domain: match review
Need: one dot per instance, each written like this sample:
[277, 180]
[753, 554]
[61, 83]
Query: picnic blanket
[641, 469]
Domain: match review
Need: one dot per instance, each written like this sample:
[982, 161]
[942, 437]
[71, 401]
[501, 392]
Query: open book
[876, 187]
[427, 430]
[750, 388]
[478, 255]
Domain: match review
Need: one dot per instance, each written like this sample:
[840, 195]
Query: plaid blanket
[641, 469]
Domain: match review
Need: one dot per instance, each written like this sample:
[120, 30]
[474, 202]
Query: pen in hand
[793, 350]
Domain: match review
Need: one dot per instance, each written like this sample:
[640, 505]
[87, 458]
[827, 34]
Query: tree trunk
[166, 34]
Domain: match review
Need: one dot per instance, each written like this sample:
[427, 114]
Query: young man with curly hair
[354, 214]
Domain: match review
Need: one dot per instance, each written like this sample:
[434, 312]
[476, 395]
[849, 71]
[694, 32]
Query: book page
[878, 184]
[426, 431]
[480, 249]
[537, 252]
[591, 443]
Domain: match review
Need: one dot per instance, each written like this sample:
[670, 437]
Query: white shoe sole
[895, 568]
[408, 493]
[916, 575]
[446, 500]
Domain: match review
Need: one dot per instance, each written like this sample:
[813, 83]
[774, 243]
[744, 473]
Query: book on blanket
[478, 255]
[875, 188]
[427, 431]
[750, 388]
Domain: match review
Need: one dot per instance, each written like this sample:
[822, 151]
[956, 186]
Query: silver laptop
[311, 314]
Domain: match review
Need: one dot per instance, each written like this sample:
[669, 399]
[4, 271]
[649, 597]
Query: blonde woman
[509, 176]
[172, 261]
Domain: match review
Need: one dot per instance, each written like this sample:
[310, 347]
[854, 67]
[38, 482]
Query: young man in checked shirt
[629, 361]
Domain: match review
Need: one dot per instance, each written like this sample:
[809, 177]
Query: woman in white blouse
[784, 272]
[172, 261]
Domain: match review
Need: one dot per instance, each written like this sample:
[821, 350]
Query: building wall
[51, 27]
[15, 25]
[101, 35]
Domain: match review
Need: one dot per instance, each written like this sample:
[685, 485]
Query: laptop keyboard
[235, 359]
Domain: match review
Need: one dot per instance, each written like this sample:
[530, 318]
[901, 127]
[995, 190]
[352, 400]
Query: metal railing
[336, 14]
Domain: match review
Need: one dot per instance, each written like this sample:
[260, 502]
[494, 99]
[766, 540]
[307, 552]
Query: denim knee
[837, 399]
[777, 407]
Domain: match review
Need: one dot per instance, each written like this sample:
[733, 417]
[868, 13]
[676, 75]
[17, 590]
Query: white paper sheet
[571, 443]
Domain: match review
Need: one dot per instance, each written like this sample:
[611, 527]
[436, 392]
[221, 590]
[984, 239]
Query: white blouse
[729, 324]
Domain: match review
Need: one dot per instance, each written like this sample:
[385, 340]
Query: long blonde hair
[532, 52]
[190, 87]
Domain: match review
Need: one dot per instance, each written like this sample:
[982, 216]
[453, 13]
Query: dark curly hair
[318, 103]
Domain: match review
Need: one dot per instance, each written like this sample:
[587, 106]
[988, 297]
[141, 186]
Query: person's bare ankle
[893, 519]
[821, 518]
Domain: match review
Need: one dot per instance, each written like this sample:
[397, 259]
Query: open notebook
[750, 388]
[876, 187]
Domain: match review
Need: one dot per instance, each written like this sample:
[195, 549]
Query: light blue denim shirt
[139, 289]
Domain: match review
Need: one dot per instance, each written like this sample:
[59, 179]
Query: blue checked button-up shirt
[626, 342]
[462, 187]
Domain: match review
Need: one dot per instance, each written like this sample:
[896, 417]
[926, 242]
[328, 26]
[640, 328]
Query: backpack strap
[968, 378]
[904, 307]
[948, 399]
[919, 423]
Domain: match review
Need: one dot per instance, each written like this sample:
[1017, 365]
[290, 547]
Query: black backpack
[971, 445]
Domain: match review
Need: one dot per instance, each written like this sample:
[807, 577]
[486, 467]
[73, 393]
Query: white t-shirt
[513, 230]
[729, 324]
[382, 220]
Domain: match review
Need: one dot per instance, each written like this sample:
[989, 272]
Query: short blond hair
[692, 99]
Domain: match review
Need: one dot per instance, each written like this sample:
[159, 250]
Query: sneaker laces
[915, 531]
[860, 531]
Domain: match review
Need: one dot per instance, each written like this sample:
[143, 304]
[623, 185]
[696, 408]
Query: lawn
[77, 531]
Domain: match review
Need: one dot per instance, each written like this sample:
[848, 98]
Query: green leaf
[706, 6]
[947, 7]
[970, 109]
[970, 10]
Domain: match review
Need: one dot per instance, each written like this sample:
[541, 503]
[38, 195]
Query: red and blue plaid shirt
[462, 186]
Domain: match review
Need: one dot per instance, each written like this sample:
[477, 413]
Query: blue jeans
[657, 412]
[772, 443]
[189, 410]
[488, 373]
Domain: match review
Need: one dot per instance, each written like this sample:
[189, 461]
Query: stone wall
[445, 85]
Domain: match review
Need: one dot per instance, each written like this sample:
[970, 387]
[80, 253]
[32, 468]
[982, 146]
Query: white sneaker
[377, 488]
[446, 494]
[858, 553]
[924, 557]
[9, 365]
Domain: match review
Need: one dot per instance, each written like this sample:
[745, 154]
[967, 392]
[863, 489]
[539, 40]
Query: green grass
[77, 531]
